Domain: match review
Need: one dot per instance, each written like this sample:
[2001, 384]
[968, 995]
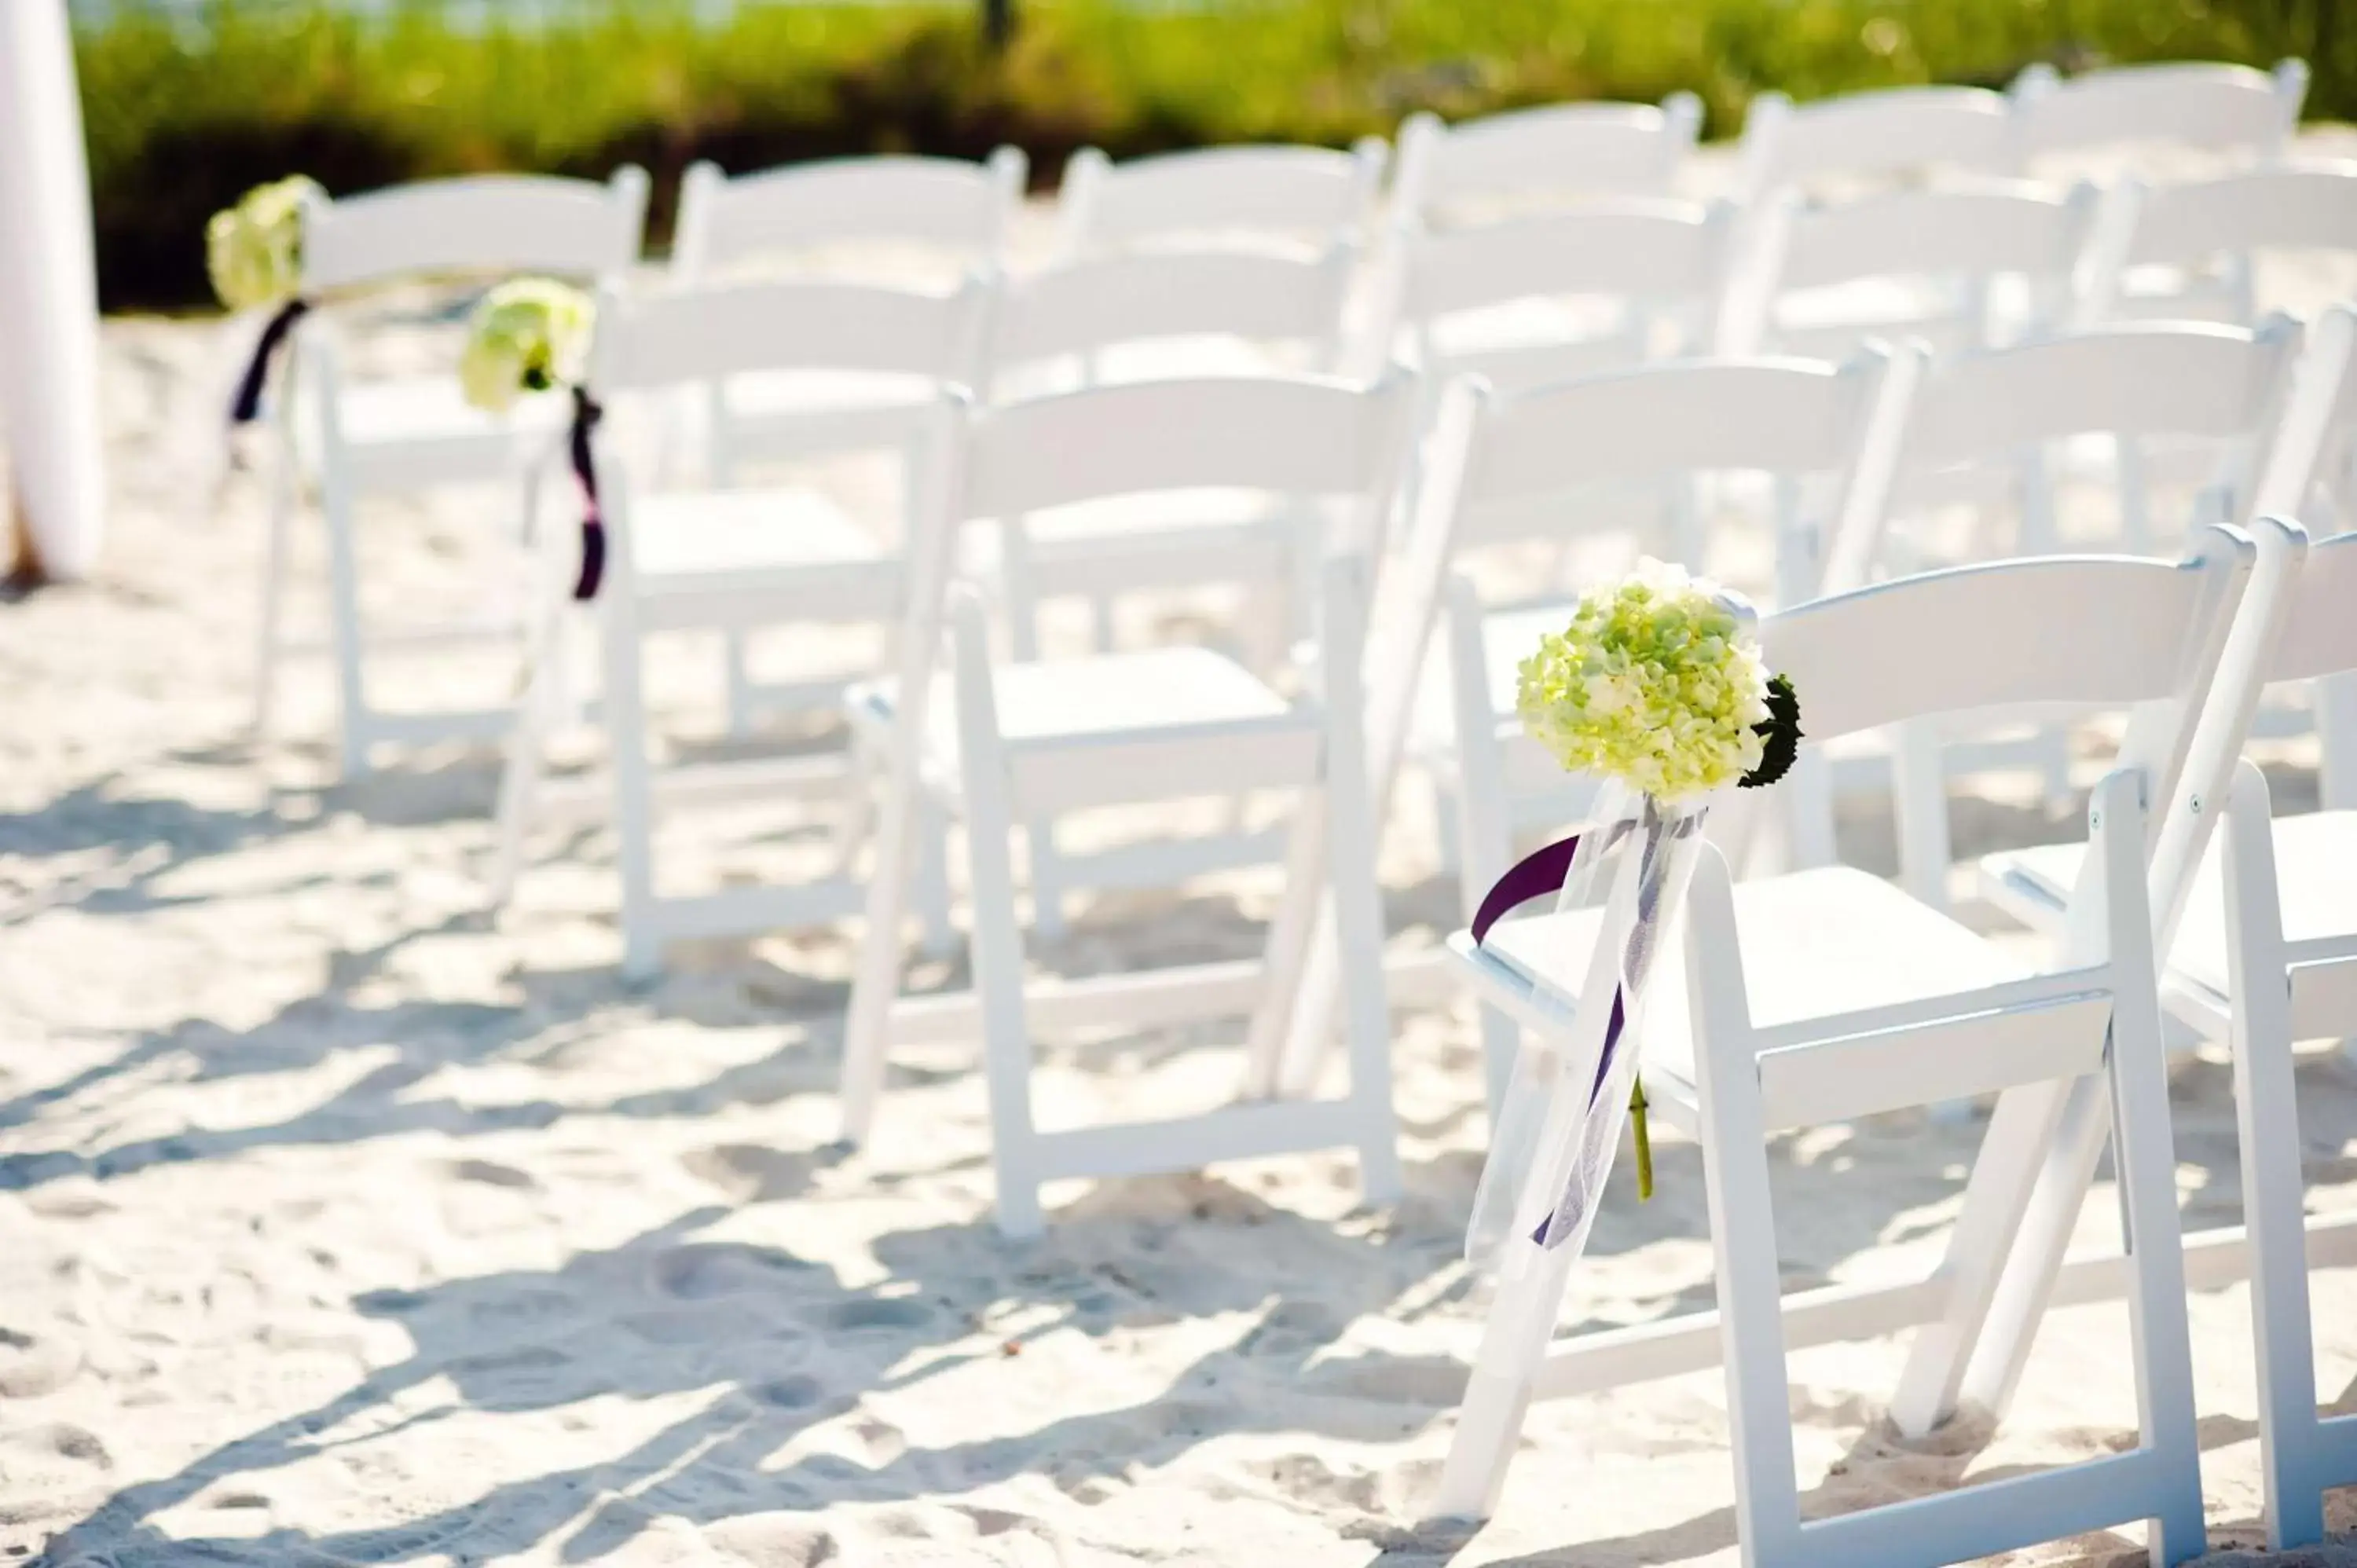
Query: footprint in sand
[493, 1174]
[788, 1393]
[898, 1312]
[704, 1271]
[32, 1365]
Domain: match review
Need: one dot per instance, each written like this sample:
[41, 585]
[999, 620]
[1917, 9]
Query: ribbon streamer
[587, 412]
[247, 405]
[1547, 871]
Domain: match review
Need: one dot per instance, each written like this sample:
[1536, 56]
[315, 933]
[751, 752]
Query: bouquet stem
[1644, 1141]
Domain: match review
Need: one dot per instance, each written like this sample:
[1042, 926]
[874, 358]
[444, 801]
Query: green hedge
[188, 106]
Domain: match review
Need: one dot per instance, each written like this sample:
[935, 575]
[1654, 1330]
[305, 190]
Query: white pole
[49, 296]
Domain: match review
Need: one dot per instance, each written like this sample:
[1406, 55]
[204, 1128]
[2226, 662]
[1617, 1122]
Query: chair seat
[772, 554]
[2313, 856]
[1816, 944]
[1176, 701]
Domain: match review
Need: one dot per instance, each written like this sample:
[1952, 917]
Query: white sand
[338, 1227]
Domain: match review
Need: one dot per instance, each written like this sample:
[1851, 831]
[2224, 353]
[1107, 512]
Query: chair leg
[876, 978]
[1485, 829]
[2146, 1158]
[1046, 880]
[2136, 497]
[519, 788]
[350, 637]
[634, 825]
[2267, 1116]
[940, 938]
[2336, 730]
[1353, 840]
[1919, 790]
[285, 479]
[1497, 1394]
[999, 957]
[741, 683]
[1743, 1246]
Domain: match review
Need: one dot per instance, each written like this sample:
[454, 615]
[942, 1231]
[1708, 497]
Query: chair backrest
[1781, 416]
[2169, 379]
[479, 224]
[2309, 453]
[2319, 635]
[1869, 135]
[1546, 155]
[2313, 207]
[1305, 436]
[1964, 234]
[647, 340]
[1633, 253]
[2204, 106]
[940, 204]
[1272, 298]
[1219, 193]
[2110, 631]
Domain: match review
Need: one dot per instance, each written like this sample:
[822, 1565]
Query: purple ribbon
[1537, 875]
[247, 405]
[586, 415]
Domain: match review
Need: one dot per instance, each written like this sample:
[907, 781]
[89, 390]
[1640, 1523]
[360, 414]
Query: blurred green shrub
[189, 103]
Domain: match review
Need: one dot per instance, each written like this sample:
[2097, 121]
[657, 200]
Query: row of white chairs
[363, 438]
[1860, 998]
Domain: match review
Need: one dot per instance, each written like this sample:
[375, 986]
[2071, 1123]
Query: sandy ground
[341, 1224]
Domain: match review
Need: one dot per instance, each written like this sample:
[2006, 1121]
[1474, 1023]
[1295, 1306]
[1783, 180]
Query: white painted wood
[2267, 954]
[746, 558]
[358, 437]
[2034, 1171]
[49, 298]
[1529, 299]
[732, 222]
[1250, 193]
[1990, 414]
[1912, 262]
[1449, 174]
[2229, 109]
[1827, 994]
[1032, 739]
[1899, 129]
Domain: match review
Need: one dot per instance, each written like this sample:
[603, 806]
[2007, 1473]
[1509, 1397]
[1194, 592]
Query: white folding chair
[1978, 431]
[1481, 169]
[1032, 741]
[1829, 995]
[1611, 282]
[1504, 467]
[1219, 195]
[1146, 314]
[730, 560]
[363, 438]
[2183, 250]
[936, 220]
[1143, 314]
[2230, 112]
[1868, 136]
[2265, 954]
[1966, 265]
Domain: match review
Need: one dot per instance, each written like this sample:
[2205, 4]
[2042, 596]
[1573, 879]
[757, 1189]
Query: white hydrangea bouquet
[253, 251]
[253, 254]
[530, 336]
[1657, 689]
